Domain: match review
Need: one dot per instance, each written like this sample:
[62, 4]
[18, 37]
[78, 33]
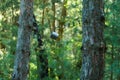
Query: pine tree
[93, 46]
[21, 64]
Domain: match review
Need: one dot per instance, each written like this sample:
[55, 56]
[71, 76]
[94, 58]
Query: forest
[59, 40]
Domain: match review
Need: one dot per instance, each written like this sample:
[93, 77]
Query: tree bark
[42, 61]
[62, 21]
[21, 64]
[93, 46]
[112, 59]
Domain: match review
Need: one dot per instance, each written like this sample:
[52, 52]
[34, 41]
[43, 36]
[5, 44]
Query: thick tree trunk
[21, 65]
[93, 46]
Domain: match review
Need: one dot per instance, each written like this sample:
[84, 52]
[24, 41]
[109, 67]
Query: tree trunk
[21, 65]
[93, 46]
[42, 61]
[112, 60]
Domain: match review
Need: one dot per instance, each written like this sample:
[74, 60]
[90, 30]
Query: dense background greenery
[64, 56]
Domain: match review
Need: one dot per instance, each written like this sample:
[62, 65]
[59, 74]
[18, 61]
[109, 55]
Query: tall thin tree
[21, 64]
[93, 46]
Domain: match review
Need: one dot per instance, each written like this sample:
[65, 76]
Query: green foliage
[112, 38]
[6, 66]
[64, 57]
